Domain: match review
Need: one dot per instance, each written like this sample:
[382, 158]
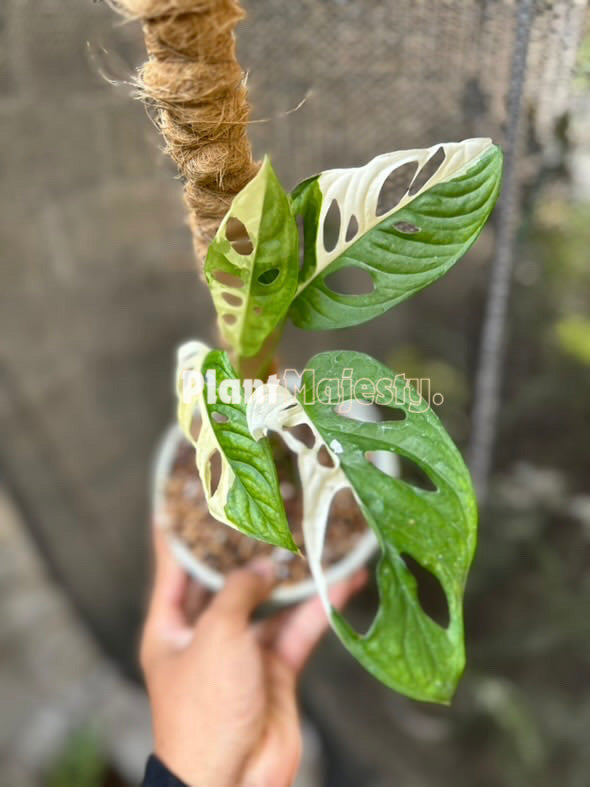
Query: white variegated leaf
[252, 263]
[190, 361]
[247, 495]
[272, 407]
[404, 248]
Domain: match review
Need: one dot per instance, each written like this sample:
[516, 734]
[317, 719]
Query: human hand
[223, 688]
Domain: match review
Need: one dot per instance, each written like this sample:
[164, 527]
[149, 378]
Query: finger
[174, 591]
[166, 566]
[303, 628]
[167, 626]
[170, 583]
[243, 591]
[268, 630]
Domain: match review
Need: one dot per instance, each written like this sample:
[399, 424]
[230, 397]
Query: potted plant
[250, 426]
[256, 281]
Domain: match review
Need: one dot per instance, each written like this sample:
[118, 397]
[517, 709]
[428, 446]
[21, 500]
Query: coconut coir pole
[198, 89]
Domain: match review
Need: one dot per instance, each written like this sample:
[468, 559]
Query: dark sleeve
[158, 775]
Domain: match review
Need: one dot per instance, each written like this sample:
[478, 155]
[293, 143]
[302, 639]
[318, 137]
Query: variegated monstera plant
[259, 277]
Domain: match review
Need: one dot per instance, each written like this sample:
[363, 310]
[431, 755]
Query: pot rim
[366, 546]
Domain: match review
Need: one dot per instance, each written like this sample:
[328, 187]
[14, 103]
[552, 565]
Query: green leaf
[253, 262]
[404, 648]
[409, 246]
[247, 495]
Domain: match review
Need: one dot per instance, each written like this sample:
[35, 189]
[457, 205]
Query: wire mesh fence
[383, 75]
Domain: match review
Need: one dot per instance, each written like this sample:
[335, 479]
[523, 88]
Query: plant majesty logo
[415, 393]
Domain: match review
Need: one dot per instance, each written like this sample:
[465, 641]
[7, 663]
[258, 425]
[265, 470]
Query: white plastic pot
[363, 550]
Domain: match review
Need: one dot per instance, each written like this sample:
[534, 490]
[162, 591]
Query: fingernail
[264, 567]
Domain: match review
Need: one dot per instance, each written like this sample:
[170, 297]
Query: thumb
[243, 591]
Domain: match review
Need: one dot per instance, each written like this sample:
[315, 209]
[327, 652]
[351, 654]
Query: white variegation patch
[257, 238]
[356, 191]
[190, 360]
[274, 408]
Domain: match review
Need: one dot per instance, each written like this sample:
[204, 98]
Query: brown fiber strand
[198, 89]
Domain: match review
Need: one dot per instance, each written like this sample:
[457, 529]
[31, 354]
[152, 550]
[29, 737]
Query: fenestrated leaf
[405, 648]
[405, 248]
[275, 408]
[247, 495]
[253, 262]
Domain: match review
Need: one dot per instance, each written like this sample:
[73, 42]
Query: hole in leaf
[332, 223]
[352, 229]
[301, 230]
[390, 413]
[230, 319]
[324, 458]
[360, 612]
[228, 279]
[195, 427]
[412, 473]
[346, 525]
[395, 186]
[427, 171]
[303, 433]
[215, 469]
[267, 277]
[232, 300]
[350, 281]
[386, 461]
[431, 595]
[219, 418]
[237, 235]
[359, 411]
[406, 228]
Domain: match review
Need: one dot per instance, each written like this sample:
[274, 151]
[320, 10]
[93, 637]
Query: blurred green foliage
[573, 336]
[81, 763]
[560, 232]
